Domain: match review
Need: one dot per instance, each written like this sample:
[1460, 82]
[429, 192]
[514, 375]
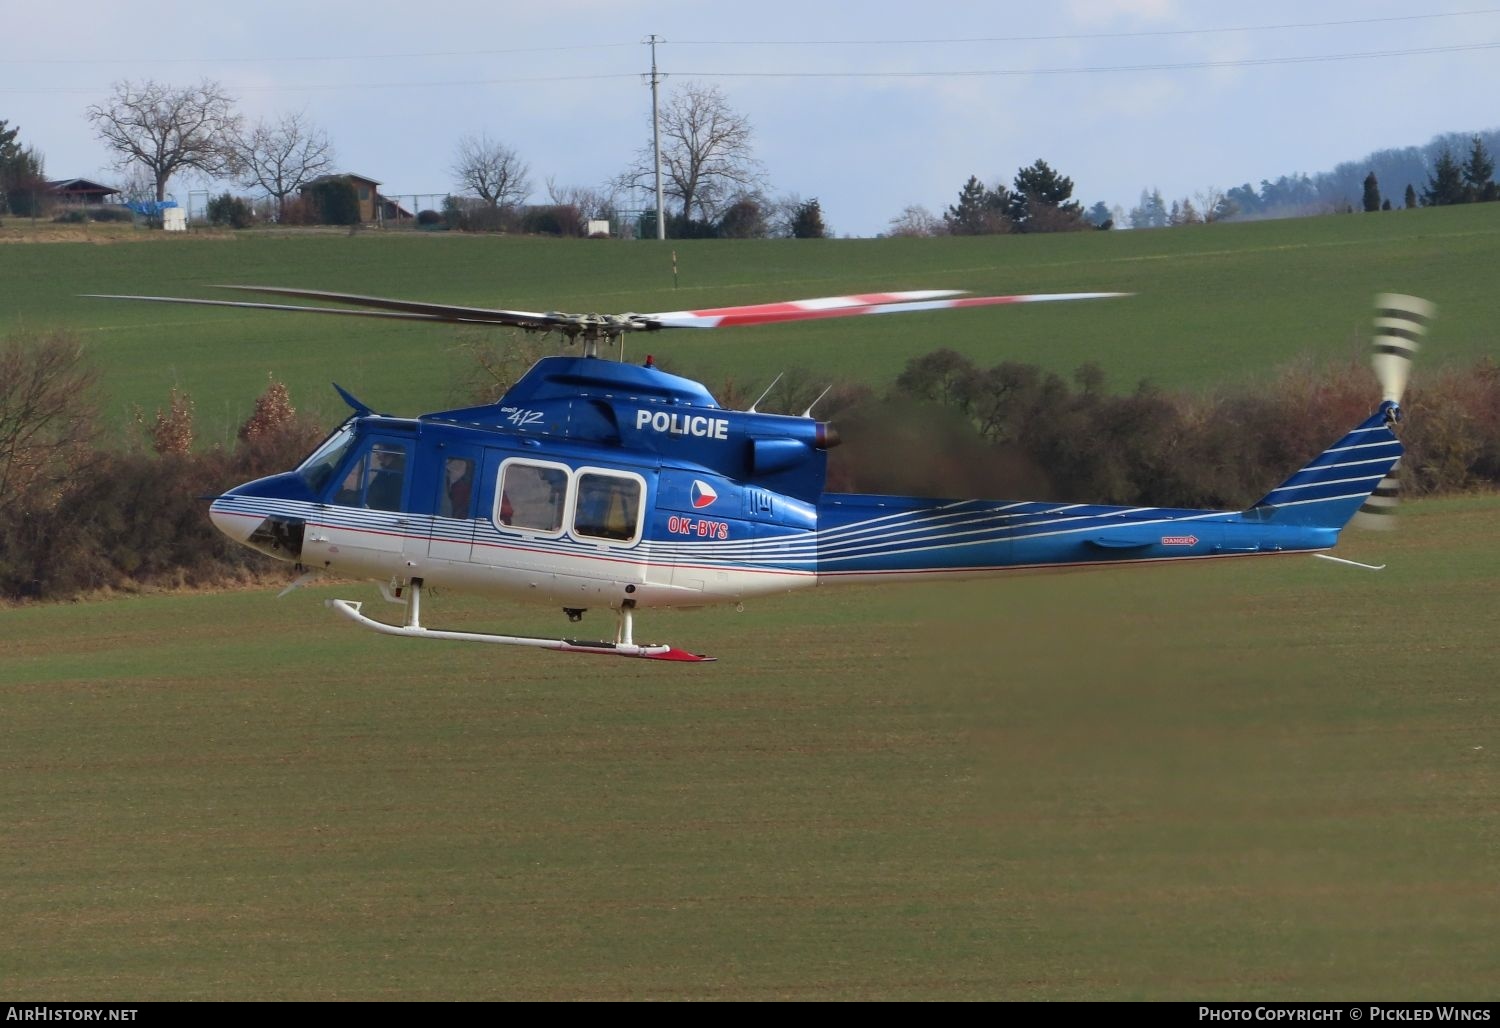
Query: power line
[280, 86]
[315, 57]
[1244, 62]
[412, 55]
[1075, 36]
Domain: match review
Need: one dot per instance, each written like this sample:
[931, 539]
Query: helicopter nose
[275, 535]
[232, 523]
[253, 515]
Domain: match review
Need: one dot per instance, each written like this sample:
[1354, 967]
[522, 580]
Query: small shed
[392, 210]
[81, 191]
[366, 190]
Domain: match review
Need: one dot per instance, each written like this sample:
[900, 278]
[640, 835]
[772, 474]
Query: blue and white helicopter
[597, 483]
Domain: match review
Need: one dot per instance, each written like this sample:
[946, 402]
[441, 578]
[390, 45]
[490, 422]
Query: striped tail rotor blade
[1400, 323]
[1379, 510]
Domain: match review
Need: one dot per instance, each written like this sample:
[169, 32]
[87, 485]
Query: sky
[869, 107]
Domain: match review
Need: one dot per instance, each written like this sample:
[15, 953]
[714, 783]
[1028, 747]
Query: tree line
[1040, 199]
[1431, 176]
[157, 132]
[81, 514]
[713, 186]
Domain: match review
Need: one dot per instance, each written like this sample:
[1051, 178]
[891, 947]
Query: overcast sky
[864, 106]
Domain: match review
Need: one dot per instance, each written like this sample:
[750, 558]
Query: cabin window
[532, 496]
[608, 506]
[377, 480]
[457, 496]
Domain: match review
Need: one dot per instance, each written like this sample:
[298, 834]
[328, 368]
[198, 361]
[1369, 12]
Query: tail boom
[896, 538]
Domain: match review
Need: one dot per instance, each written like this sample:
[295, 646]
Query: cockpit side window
[376, 480]
[318, 469]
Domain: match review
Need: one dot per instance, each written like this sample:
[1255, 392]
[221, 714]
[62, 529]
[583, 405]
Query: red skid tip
[675, 654]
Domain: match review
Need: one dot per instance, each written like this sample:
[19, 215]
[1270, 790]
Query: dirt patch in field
[99, 234]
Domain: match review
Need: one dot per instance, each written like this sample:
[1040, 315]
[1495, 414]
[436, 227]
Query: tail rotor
[1400, 323]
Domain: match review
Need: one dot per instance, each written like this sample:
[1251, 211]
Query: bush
[296, 210]
[76, 520]
[112, 214]
[27, 196]
[429, 218]
[1223, 451]
[334, 202]
[233, 211]
[469, 214]
[553, 220]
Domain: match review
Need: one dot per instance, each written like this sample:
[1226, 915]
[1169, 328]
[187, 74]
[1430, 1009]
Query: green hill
[1214, 303]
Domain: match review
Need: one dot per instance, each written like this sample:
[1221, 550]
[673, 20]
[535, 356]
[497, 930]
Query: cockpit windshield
[317, 470]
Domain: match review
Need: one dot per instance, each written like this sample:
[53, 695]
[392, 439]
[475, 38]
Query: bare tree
[706, 153]
[916, 221]
[1214, 204]
[167, 129]
[46, 418]
[600, 204]
[281, 155]
[492, 171]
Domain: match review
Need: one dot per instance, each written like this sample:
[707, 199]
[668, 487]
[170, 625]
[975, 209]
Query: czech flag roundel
[703, 494]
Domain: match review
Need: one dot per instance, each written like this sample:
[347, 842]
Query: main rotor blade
[846, 307]
[435, 311]
[272, 307]
[384, 308]
[602, 325]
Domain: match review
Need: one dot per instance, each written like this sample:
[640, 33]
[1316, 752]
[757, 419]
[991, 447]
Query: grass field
[1215, 304]
[1263, 779]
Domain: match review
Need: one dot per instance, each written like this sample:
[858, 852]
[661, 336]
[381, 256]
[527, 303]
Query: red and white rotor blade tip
[848, 307]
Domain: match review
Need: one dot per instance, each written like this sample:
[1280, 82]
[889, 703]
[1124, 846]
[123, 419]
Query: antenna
[808, 413]
[763, 395]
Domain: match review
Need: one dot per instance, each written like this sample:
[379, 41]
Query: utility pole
[661, 218]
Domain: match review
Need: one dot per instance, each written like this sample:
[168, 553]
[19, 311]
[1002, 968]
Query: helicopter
[594, 482]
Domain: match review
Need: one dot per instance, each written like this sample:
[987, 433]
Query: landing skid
[623, 646]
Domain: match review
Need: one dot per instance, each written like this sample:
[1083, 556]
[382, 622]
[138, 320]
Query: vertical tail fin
[1339, 481]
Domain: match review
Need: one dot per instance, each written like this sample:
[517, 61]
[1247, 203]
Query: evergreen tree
[1151, 212]
[22, 183]
[1446, 186]
[1479, 172]
[1372, 193]
[1244, 199]
[1411, 196]
[979, 211]
[745, 219]
[1042, 201]
[807, 222]
[10, 153]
